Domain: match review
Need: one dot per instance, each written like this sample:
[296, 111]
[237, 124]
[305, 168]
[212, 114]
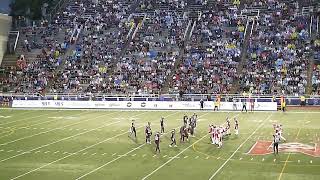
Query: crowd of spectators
[105, 47]
[211, 60]
[278, 53]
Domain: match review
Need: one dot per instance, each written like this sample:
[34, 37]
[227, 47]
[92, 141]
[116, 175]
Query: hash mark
[114, 154]
[185, 157]
[93, 154]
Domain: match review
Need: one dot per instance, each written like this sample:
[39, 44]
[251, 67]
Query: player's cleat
[175, 146]
[170, 145]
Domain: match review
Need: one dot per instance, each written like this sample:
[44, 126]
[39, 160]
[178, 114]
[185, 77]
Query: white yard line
[219, 169]
[109, 162]
[174, 157]
[17, 128]
[84, 149]
[57, 141]
[44, 132]
[31, 117]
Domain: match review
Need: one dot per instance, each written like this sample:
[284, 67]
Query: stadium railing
[290, 100]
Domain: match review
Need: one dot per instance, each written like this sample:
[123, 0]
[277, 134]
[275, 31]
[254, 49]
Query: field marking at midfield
[219, 169]
[69, 137]
[109, 162]
[80, 151]
[44, 132]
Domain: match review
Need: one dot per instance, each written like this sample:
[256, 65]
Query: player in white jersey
[220, 136]
[236, 126]
[280, 132]
[211, 134]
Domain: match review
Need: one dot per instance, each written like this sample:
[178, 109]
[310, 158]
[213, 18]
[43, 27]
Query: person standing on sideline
[252, 104]
[234, 102]
[201, 104]
[244, 105]
[216, 104]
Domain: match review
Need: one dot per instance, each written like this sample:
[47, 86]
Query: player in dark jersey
[244, 105]
[157, 141]
[192, 127]
[133, 130]
[185, 119]
[195, 118]
[148, 132]
[228, 127]
[185, 134]
[162, 125]
[181, 133]
[173, 138]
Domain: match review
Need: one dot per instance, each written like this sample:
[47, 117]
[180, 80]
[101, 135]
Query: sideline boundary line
[136, 110]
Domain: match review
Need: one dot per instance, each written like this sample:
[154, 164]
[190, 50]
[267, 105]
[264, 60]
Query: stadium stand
[151, 47]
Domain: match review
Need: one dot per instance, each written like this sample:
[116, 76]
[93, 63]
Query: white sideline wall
[147, 105]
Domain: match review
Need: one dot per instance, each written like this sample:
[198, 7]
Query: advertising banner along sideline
[152, 105]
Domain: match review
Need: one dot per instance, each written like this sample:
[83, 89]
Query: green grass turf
[53, 144]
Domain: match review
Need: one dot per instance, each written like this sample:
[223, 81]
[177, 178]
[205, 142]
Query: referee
[276, 140]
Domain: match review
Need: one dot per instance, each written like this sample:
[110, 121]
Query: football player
[236, 126]
[133, 130]
[173, 138]
[162, 125]
[157, 141]
[148, 132]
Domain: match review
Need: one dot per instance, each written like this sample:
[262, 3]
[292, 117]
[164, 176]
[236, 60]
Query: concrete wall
[5, 25]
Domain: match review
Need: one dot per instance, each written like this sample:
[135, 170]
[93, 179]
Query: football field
[87, 144]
